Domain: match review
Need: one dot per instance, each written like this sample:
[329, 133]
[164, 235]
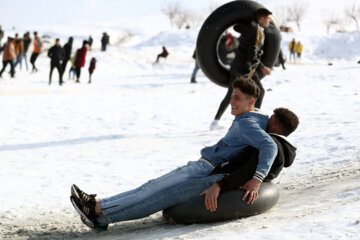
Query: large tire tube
[221, 19]
[230, 206]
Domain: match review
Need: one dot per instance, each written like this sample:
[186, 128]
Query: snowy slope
[138, 121]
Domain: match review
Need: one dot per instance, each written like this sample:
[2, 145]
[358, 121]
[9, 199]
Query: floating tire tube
[230, 206]
[227, 15]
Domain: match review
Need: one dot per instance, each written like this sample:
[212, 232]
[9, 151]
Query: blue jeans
[18, 60]
[25, 59]
[196, 69]
[168, 190]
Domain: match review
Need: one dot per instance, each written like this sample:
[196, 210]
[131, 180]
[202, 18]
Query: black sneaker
[83, 196]
[87, 215]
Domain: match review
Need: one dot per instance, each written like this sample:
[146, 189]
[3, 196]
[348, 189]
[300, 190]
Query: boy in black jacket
[57, 55]
[240, 170]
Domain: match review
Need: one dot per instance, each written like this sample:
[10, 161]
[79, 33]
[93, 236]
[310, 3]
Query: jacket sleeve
[256, 137]
[278, 164]
[50, 52]
[243, 173]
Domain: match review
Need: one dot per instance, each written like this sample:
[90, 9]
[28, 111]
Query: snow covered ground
[137, 121]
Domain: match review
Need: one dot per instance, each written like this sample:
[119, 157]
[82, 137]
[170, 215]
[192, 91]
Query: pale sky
[66, 11]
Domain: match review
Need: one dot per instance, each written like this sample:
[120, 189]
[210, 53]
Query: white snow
[137, 121]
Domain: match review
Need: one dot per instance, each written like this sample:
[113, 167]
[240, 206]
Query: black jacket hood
[284, 158]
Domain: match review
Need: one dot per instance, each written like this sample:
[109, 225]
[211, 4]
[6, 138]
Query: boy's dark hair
[247, 86]
[287, 120]
[262, 12]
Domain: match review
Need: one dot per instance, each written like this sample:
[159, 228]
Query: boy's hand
[252, 188]
[211, 195]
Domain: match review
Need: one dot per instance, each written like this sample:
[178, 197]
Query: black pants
[64, 65]
[5, 63]
[78, 72]
[163, 55]
[33, 60]
[57, 65]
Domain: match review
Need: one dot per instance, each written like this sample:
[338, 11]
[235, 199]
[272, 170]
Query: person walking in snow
[9, 56]
[196, 69]
[27, 42]
[292, 45]
[1, 34]
[298, 50]
[57, 55]
[19, 50]
[92, 68]
[280, 60]
[90, 41]
[248, 54]
[197, 178]
[36, 51]
[67, 49]
[105, 40]
[80, 59]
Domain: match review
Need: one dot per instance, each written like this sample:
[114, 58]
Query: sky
[67, 11]
[44, 12]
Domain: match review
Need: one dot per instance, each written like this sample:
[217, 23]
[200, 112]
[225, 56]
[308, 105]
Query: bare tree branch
[353, 13]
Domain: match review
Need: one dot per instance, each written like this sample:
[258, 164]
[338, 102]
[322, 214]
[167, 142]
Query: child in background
[92, 68]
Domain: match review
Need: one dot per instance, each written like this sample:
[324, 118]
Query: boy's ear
[252, 101]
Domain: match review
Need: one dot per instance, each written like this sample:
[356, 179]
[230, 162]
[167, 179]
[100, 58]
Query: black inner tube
[221, 19]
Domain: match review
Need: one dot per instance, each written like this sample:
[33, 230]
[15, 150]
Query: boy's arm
[254, 136]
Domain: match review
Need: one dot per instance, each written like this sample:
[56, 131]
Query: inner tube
[214, 26]
[230, 206]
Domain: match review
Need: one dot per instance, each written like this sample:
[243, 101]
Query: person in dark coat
[92, 68]
[27, 42]
[90, 41]
[163, 54]
[57, 55]
[292, 46]
[1, 34]
[280, 60]
[104, 41]
[67, 49]
[80, 59]
[247, 54]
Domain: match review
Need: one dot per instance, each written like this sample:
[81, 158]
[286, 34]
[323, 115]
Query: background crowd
[15, 52]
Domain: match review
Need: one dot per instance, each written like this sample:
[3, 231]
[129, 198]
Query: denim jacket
[246, 129]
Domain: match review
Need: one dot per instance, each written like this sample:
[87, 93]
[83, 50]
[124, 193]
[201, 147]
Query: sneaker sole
[83, 217]
[98, 230]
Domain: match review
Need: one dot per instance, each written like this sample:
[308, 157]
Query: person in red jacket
[80, 59]
[92, 68]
